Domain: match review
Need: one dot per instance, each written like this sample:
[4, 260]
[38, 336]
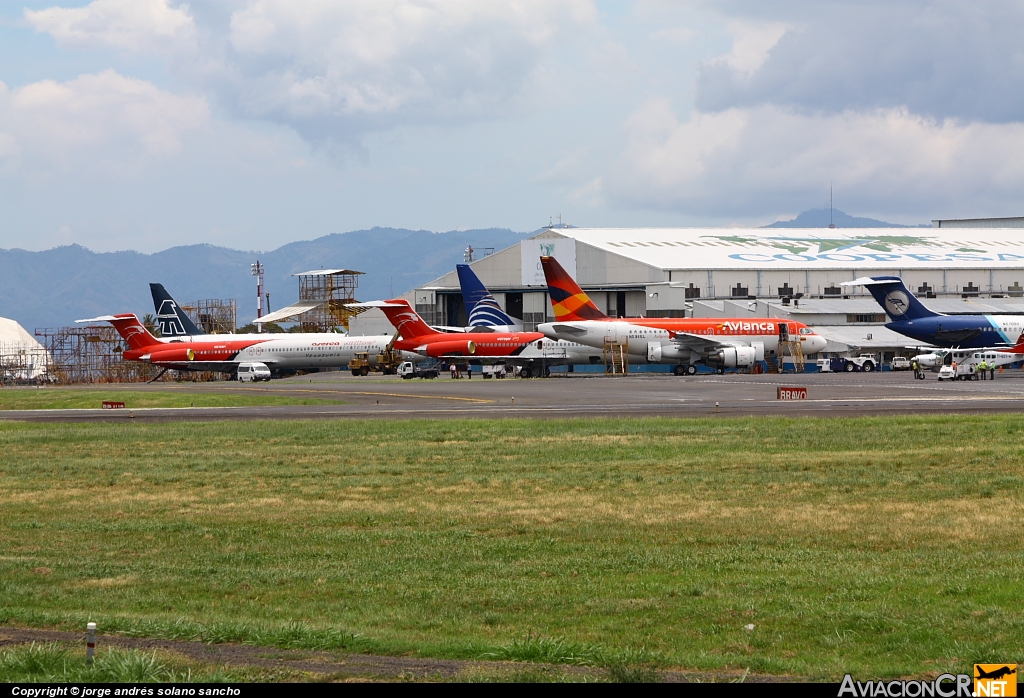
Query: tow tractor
[387, 362]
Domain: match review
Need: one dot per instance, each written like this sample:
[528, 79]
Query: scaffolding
[90, 354]
[332, 290]
[213, 315]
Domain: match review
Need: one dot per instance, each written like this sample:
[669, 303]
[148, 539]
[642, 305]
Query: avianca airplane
[718, 342]
[521, 348]
[911, 319]
[276, 351]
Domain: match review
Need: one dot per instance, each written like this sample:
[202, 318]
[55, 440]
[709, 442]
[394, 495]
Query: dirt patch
[342, 664]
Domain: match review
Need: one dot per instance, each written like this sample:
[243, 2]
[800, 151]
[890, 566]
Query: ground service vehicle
[386, 362]
[864, 362]
[408, 370]
[899, 363]
[253, 371]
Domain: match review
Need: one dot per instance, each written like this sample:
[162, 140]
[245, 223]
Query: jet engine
[172, 356]
[453, 348]
[732, 357]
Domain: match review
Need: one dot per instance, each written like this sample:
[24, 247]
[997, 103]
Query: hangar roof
[12, 334]
[847, 248]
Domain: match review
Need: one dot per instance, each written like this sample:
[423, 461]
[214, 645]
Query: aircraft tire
[691, 370]
[721, 371]
[679, 369]
[525, 372]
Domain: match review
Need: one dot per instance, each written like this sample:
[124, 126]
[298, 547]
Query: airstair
[616, 358]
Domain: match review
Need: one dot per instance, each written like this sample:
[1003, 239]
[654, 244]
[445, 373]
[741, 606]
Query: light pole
[257, 271]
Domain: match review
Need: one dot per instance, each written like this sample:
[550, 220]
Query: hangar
[708, 272]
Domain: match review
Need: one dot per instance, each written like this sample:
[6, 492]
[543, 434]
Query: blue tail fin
[894, 296]
[481, 308]
[172, 319]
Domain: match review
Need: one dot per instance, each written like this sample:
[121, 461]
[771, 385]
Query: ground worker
[983, 367]
[992, 370]
[916, 369]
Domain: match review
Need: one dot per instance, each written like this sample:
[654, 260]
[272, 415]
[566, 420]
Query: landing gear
[679, 369]
[721, 371]
[691, 370]
[684, 370]
[525, 372]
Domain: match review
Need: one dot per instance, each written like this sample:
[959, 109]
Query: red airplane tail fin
[134, 333]
[406, 320]
[568, 300]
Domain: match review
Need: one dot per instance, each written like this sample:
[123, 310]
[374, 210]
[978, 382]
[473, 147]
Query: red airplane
[419, 337]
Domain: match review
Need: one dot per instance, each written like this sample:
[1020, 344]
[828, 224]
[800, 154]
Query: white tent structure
[22, 357]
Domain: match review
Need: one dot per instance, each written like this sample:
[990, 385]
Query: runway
[376, 397]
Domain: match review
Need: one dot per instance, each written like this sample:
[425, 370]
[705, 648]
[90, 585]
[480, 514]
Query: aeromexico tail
[171, 319]
[482, 309]
[717, 342]
[911, 318]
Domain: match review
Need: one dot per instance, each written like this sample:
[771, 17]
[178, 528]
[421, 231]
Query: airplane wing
[703, 343]
[568, 329]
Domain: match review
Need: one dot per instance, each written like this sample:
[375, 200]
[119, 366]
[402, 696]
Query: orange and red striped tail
[568, 300]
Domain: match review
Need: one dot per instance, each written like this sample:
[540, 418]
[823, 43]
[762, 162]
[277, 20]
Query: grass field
[71, 398]
[878, 546]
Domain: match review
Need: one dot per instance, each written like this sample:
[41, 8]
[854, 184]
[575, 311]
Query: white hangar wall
[661, 271]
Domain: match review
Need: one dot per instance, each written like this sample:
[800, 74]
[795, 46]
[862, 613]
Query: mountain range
[55, 287]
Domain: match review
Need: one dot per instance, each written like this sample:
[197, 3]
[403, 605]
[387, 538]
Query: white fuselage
[301, 351]
[658, 346]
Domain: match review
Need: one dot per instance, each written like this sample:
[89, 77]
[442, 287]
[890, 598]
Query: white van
[252, 371]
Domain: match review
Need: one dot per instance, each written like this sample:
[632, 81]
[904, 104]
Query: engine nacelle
[733, 357]
[758, 350]
[654, 352]
[172, 356]
[453, 348]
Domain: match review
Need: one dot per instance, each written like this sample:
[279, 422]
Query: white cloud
[136, 25]
[106, 116]
[746, 162]
[364, 64]
[751, 44]
[940, 59]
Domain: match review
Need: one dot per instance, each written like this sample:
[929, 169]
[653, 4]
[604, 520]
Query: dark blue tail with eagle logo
[894, 297]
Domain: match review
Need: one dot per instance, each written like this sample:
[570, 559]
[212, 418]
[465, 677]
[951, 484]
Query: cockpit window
[806, 330]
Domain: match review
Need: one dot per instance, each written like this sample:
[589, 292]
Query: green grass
[70, 398]
[878, 546]
[56, 662]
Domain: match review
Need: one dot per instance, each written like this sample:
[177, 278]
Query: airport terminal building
[733, 272]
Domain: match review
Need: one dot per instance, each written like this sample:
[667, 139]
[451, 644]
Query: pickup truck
[899, 363]
[407, 370]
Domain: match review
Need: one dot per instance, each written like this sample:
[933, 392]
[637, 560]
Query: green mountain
[55, 287]
[819, 218]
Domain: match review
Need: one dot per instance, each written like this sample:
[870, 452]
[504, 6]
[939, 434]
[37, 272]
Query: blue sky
[144, 124]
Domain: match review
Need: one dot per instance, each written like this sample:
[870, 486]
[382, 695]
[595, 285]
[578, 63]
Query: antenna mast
[830, 223]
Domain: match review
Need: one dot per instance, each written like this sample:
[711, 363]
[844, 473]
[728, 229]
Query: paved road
[576, 396]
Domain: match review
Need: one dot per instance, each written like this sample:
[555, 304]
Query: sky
[146, 124]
